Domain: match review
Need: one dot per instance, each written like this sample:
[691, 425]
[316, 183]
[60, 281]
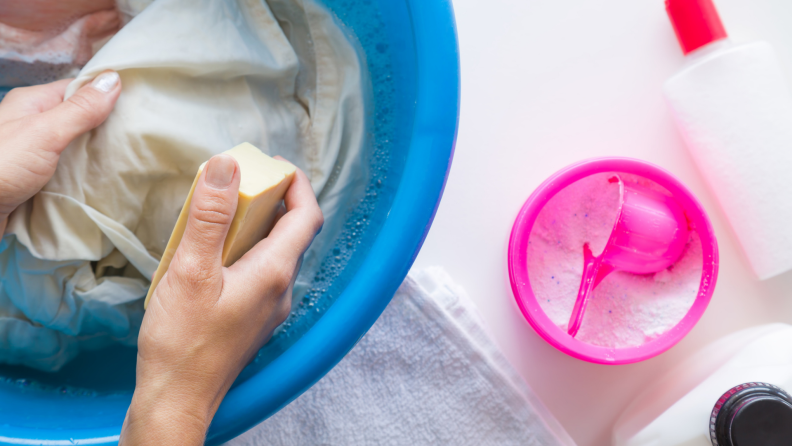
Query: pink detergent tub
[518, 261]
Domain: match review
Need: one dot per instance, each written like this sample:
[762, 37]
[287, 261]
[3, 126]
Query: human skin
[36, 124]
[204, 322]
[45, 15]
[33, 27]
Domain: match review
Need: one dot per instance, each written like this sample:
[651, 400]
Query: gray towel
[426, 373]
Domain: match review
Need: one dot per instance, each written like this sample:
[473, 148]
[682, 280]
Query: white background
[549, 82]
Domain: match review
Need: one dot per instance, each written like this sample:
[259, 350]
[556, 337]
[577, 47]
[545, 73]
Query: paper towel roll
[734, 110]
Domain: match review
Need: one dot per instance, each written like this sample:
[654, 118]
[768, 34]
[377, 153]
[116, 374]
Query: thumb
[212, 209]
[84, 110]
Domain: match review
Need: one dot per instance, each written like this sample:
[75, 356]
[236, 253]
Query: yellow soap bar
[263, 184]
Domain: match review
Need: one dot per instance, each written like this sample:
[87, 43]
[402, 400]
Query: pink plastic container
[518, 265]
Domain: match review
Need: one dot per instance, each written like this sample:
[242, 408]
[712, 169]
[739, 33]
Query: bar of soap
[263, 184]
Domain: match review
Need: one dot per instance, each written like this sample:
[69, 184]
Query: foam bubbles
[388, 132]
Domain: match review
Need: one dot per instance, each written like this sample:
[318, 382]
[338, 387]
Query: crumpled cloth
[199, 77]
[427, 373]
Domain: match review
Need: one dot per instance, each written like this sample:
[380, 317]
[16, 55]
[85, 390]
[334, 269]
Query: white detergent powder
[624, 310]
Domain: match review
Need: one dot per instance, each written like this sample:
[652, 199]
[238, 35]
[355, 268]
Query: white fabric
[734, 111]
[199, 77]
[426, 373]
[131, 8]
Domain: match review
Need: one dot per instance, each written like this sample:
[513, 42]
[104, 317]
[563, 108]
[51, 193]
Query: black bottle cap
[752, 414]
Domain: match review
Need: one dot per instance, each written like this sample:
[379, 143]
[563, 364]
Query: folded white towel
[426, 373]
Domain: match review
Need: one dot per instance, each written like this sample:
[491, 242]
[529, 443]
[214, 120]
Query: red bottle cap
[696, 23]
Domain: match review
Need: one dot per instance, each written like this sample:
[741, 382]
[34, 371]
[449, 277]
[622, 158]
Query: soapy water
[15, 73]
[390, 126]
[625, 310]
[34, 385]
[388, 129]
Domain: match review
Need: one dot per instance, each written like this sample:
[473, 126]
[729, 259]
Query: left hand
[36, 124]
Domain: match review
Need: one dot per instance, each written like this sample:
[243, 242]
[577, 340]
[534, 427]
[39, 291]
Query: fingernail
[106, 82]
[220, 171]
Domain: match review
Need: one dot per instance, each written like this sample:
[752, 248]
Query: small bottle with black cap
[752, 414]
[734, 392]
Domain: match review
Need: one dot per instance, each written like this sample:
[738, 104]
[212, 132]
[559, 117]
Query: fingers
[276, 257]
[295, 231]
[83, 111]
[26, 101]
[212, 210]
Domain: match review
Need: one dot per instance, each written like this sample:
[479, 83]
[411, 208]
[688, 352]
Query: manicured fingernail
[106, 82]
[220, 171]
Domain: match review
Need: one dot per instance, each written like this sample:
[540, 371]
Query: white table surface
[546, 83]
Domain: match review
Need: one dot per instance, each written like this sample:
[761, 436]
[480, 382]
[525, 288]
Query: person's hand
[36, 124]
[205, 322]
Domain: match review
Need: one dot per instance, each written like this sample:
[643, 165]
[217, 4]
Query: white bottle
[733, 108]
[717, 396]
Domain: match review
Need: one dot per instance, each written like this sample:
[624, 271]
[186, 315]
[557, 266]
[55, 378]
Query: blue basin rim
[385, 267]
[396, 246]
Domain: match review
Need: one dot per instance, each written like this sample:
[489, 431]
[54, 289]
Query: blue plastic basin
[413, 70]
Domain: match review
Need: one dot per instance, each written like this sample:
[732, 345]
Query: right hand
[205, 322]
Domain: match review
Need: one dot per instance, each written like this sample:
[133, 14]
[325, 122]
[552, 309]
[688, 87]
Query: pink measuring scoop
[648, 236]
